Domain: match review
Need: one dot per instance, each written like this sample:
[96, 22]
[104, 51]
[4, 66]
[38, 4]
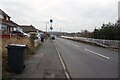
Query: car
[52, 37]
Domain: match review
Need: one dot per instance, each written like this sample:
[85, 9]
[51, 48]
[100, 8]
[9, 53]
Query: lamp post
[46, 25]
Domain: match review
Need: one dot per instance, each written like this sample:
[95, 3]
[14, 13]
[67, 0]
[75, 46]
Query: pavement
[44, 64]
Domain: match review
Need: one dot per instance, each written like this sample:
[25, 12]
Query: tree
[108, 31]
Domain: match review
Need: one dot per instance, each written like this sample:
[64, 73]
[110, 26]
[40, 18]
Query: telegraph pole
[60, 31]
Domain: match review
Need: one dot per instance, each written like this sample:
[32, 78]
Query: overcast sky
[69, 15]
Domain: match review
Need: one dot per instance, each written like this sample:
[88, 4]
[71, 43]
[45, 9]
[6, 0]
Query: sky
[67, 15]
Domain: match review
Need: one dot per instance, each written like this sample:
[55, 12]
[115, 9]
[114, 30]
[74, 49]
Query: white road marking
[97, 54]
[63, 64]
[75, 45]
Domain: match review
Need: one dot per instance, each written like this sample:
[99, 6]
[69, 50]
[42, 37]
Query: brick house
[9, 27]
[6, 25]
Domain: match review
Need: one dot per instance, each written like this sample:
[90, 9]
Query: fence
[102, 42]
[7, 36]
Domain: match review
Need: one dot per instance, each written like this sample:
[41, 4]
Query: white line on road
[63, 64]
[97, 54]
[75, 45]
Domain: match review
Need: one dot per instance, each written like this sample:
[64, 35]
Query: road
[87, 61]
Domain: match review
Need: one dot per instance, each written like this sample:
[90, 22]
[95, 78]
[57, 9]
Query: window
[14, 29]
[3, 27]
[1, 16]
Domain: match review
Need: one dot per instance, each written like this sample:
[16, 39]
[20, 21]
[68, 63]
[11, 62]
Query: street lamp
[46, 25]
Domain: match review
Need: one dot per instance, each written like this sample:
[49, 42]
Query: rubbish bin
[16, 57]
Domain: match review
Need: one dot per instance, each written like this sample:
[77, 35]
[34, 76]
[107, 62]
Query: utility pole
[60, 31]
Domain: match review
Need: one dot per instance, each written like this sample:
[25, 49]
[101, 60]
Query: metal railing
[102, 42]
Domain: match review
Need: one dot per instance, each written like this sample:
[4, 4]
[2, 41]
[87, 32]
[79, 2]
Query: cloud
[71, 15]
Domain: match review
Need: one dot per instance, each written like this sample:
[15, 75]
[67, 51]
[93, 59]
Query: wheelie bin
[16, 57]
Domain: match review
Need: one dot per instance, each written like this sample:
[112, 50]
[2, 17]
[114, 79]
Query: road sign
[51, 20]
[51, 28]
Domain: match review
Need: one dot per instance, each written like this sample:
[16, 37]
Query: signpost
[51, 28]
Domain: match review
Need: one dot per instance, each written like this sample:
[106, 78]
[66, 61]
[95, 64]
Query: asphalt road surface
[87, 61]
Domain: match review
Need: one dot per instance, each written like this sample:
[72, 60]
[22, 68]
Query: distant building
[119, 10]
[28, 28]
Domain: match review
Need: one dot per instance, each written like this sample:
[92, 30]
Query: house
[9, 27]
[28, 28]
[6, 25]
[39, 31]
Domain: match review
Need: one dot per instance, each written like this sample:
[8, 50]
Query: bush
[32, 38]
